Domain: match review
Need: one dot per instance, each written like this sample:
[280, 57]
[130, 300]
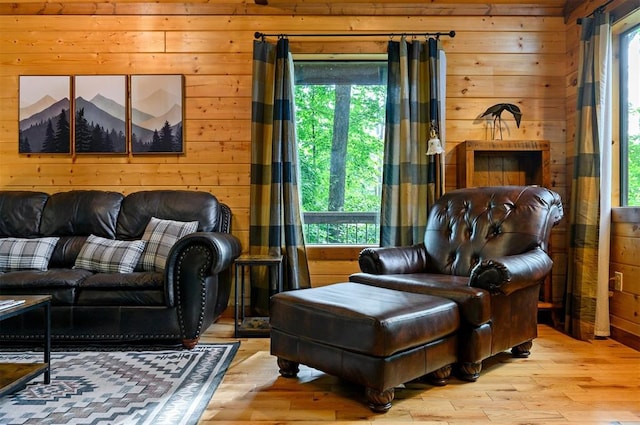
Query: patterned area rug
[168, 386]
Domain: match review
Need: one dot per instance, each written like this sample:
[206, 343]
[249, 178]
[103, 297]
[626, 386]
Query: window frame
[620, 131]
[356, 57]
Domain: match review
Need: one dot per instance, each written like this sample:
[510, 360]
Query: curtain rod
[599, 9]
[404, 34]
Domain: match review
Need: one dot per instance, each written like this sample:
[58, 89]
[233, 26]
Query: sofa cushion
[108, 255]
[181, 205]
[66, 251]
[21, 212]
[160, 236]
[61, 284]
[81, 213]
[138, 288]
[26, 254]
[474, 303]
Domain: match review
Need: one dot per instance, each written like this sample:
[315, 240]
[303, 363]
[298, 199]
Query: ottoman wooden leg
[379, 401]
[288, 369]
[439, 377]
[469, 371]
[522, 350]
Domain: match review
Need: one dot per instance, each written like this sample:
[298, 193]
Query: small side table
[247, 326]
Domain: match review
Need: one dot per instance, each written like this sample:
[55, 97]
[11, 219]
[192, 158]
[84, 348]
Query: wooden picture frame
[157, 114]
[44, 121]
[100, 112]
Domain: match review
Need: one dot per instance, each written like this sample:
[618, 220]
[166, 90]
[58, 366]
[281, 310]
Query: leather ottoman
[377, 337]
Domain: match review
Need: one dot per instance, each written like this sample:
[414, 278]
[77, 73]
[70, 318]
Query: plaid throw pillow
[26, 254]
[108, 255]
[160, 236]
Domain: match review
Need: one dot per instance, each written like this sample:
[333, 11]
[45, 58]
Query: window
[340, 114]
[629, 43]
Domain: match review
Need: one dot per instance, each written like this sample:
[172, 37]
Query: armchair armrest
[393, 260]
[508, 274]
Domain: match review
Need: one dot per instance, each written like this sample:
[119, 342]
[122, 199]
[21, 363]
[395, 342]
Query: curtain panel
[411, 180]
[587, 303]
[275, 214]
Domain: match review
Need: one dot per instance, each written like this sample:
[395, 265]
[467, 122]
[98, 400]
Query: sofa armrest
[508, 274]
[198, 278]
[393, 260]
[197, 256]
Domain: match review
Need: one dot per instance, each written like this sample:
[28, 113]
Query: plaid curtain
[587, 303]
[411, 180]
[275, 216]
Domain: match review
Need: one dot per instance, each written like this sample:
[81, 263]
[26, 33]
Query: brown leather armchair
[486, 249]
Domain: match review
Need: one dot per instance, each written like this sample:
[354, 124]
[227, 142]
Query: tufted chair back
[465, 226]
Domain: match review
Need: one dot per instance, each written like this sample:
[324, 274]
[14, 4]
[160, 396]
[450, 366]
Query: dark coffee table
[16, 375]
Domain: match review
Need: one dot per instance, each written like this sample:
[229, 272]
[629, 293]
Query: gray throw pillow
[160, 236]
[108, 255]
[26, 254]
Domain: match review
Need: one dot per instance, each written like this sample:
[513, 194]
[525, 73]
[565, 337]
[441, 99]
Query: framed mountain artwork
[100, 111]
[44, 114]
[157, 114]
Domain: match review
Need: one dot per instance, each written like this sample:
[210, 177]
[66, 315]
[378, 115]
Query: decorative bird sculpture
[496, 111]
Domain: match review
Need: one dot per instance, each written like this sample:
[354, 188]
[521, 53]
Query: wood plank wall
[624, 306]
[492, 59]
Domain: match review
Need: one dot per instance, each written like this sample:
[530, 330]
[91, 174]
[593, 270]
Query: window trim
[317, 249]
[623, 123]
[619, 191]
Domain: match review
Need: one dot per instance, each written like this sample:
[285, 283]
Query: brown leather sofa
[174, 304]
[486, 249]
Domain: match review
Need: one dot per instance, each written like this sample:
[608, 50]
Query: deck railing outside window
[342, 228]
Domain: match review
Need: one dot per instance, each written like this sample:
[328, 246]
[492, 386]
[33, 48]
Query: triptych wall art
[101, 114]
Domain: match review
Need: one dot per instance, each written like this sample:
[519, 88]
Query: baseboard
[625, 338]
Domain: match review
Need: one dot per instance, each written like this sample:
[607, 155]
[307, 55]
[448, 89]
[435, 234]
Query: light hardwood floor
[565, 381]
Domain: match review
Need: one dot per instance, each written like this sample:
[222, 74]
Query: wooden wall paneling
[125, 63]
[223, 85]
[143, 175]
[298, 23]
[80, 41]
[391, 8]
[519, 59]
[209, 41]
[219, 107]
[506, 86]
[468, 63]
[631, 277]
[459, 130]
[625, 258]
[338, 268]
[535, 109]
[625, 249]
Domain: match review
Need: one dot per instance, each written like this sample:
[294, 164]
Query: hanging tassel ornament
[434, 147]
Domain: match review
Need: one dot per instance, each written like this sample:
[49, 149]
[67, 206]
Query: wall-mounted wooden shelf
[508, 162]
[503, 162]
